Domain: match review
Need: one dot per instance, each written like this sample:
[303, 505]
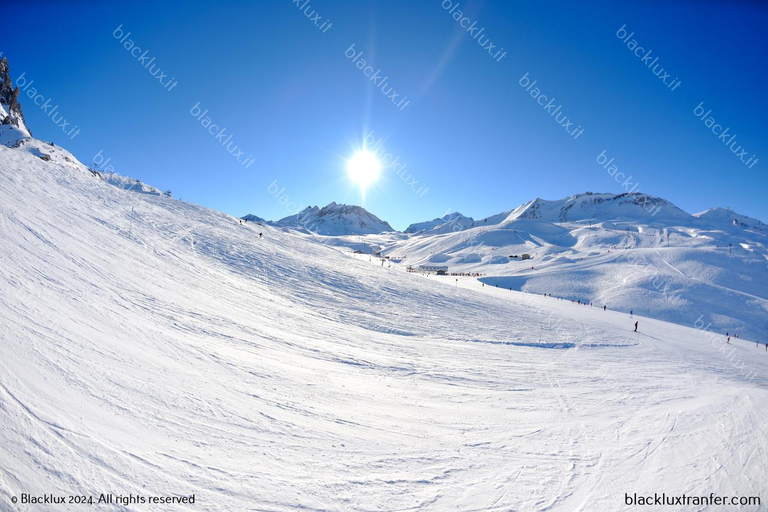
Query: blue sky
[286, 92]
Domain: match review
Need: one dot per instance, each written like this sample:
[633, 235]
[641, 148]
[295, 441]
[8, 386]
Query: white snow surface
[170, 351]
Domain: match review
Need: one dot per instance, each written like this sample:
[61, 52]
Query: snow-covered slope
[336, 219]
[123, 182]
[616, 251]
[152, 347]
[169, 351]
[722, 217]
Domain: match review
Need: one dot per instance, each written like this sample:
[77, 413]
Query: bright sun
[363, 168]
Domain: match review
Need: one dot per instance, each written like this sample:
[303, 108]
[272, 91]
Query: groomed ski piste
[154, 347]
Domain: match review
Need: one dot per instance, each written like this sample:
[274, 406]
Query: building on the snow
[440, 270]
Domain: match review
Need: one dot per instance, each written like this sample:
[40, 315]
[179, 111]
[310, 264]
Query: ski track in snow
[275, 373]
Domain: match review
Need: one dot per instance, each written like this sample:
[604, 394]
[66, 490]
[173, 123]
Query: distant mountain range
[340, 219]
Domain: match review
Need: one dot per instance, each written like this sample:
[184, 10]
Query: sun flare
[363, 168]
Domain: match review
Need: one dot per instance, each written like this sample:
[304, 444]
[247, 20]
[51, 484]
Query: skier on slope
[636, 326]
[605, 308]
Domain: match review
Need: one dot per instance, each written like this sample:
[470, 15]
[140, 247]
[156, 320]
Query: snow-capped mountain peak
[589, 205]
[336, 219]
[449, 222]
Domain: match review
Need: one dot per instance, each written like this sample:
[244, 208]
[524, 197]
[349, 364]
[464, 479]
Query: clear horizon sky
[284, 86]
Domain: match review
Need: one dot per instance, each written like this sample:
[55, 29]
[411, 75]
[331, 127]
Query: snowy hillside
[722, 217]
[628, 251]
[336, 219]
[170, 351]
[123, 182]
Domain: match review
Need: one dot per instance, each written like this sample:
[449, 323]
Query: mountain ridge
[586, 206]
[336, 219]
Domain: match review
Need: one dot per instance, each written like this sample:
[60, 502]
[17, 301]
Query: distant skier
[260, 235]
[630, 312]
[636, 326]
[605, 308]
[728, 339]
